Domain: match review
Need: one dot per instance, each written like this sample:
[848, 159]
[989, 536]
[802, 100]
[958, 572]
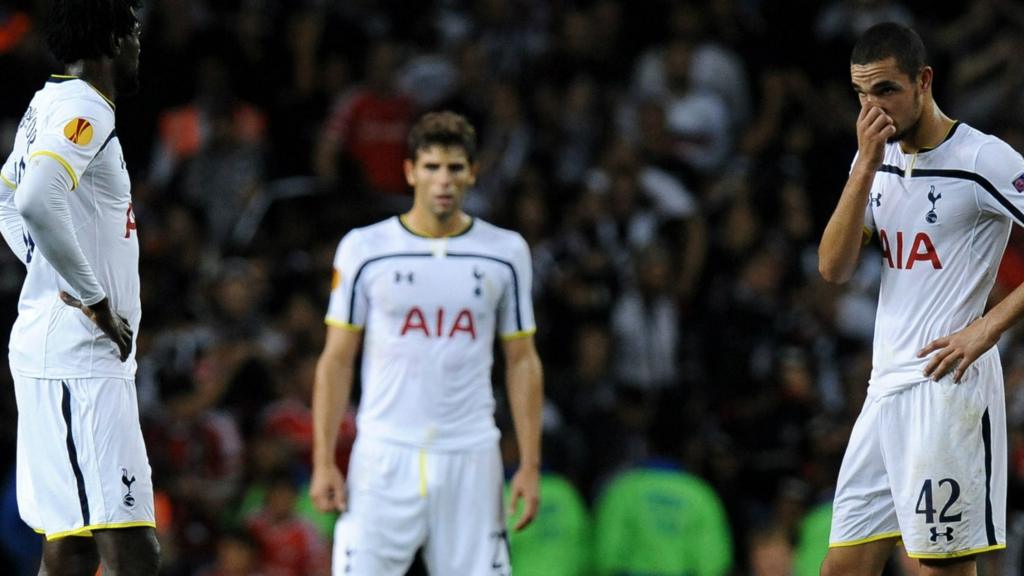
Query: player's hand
[114, 326]
[958, 350]
[327, 489]
[874, 128]
[526, 487]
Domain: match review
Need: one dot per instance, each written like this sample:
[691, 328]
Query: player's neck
[424, 223]
[98, 73]
[932, 130]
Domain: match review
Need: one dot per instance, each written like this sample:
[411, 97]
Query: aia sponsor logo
[921, 250]
[440, 324]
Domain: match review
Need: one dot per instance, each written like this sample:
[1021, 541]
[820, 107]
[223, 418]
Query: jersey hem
[87, 530]
[874, 538]
[343, 325]
[956, 554]
[63, 162]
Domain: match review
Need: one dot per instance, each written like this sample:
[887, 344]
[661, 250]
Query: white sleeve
[43, 204]
[349, 304]
[515, 312]
[999, 175]
[12, 227]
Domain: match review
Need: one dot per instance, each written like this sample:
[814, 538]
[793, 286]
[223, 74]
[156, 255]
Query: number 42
[925, 506]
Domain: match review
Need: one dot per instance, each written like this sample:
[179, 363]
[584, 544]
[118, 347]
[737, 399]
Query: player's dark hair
[443, 129]
[89, 29]
[891, 40]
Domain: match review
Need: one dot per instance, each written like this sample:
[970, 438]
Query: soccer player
[66, 211]
[424, 294]
[926, 462]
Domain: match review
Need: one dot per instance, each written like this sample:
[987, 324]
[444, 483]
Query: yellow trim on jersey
[87, 530]
[405, 224]
[874, 538]
[343, 325]
[957, 554]
[64, 76]
[423, 473]
[63, 162]
[102, 95]
[10, 184]
[518, 335]
[867, 236]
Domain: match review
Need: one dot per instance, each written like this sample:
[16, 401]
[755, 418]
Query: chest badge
[479, 277]
[931, 217]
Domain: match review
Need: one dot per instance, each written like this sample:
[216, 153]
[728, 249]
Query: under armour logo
[875, 199]
[129, 500]
[399, 276]
[348, 559]
[931, 217]
[935, 534]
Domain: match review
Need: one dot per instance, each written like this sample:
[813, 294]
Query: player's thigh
[71, 556]
[946, 456]
[867, 559]
[863, 508]
[467, 523]
[82, 463]
[386, 520]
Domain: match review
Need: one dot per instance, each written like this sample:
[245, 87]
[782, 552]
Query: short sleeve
[515, 314]
[74, 133]
[348, 305]
[999, 173]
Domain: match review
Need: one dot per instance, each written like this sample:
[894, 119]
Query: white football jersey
[71, 122]
[431, 308]
[942, 218]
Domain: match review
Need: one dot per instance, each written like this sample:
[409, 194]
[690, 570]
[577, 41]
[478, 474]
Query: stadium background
[670, 163]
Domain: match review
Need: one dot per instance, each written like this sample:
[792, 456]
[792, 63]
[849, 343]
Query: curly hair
[89, 29]
[442, 129]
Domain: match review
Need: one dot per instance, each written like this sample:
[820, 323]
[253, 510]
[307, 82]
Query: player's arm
[332, 388]
[1003, 168]
[42, 202]
[525, 385]
[841, 242]
[11, 225]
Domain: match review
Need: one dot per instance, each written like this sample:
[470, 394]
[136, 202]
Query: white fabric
[431, 308]
[70, 123]
[401, 498]
[43, 204]
[101, 467]
[939, 258]
[934, 433]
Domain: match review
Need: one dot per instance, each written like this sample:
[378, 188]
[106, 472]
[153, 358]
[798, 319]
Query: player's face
[883, 85]
[440, 177]
[126, 63]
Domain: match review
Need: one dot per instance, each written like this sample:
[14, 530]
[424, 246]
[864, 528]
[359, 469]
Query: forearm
[525, 386]
[844, 234]
[11, 225]
[331, 389]
[1005, 314]
[42, 202]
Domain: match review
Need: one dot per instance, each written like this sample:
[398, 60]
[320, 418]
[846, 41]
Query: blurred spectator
[656, 518]
[286, 542]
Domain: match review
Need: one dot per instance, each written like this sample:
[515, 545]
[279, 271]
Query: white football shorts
[928, 465]
[81, 461]
[401, 498]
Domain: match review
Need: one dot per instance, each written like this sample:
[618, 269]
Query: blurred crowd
[671, 164]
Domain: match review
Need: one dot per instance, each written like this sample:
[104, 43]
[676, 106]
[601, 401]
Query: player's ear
[474, 169]
[410, 173]
[924, 79]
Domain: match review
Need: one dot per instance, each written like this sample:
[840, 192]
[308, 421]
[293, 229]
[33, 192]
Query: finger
[948, 364]
[962, 366]
[881, 125]
[932, 346]
[513, 501]
[340, 499]
[528, 514]
[936, 359]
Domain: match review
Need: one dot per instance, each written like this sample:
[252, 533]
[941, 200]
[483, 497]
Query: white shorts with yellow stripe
[81, 460]
[928, 465]
[402, 498]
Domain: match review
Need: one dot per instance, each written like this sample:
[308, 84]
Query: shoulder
[365, 240]
[499, 239]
